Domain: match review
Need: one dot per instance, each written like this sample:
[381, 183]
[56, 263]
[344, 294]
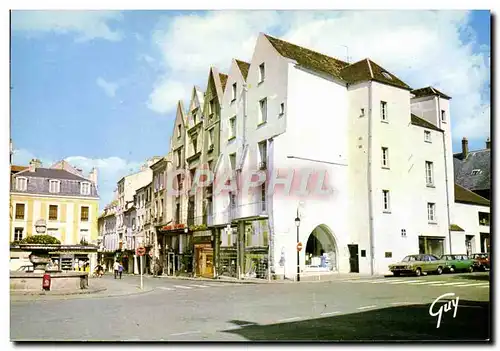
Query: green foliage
[40, 239]
[195, 228]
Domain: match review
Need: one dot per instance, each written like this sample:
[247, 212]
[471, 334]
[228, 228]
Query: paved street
[185, 310]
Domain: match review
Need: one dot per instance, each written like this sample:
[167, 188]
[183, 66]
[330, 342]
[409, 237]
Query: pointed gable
[244, 67]
[429, 91]
[223, 81]
[197, 100]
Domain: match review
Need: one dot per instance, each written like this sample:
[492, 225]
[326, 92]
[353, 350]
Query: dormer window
[21, 183]
[54, 186]
[85, 188]
[233, 92]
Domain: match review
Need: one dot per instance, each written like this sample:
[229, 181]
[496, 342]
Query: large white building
[385, 148]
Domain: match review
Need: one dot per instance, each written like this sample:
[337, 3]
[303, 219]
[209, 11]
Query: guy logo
[444, 308]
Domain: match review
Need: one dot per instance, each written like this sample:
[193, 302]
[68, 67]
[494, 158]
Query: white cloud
[108, 87]
[87, 25]
[421, 47]
[109, 170]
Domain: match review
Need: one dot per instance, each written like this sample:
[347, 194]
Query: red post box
[46, 281]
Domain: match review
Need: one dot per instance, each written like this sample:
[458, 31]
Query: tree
[41, 239]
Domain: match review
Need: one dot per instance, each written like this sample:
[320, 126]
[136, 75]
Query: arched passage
[321, 250]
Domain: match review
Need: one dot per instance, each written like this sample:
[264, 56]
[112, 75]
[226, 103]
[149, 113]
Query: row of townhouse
[296, 148]
[59, 201]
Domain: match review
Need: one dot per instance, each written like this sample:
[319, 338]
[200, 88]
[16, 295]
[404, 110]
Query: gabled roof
[465, 196]
[244, 67]
[475, 160]
[223, 80]
[51, 173]
[307, 58]
[364, 70]
[417, 121]
[429, 91]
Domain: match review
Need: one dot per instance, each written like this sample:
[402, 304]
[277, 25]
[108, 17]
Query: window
[179, 157]
[484, 218]
[211, 107]
[195, 143]
[232, 127]
[194, 113]
[19, 211]
[263, 110]
[232, 161]
[282, 109]
[18, 234]
[262, 72]
[388, 255]
[21, 183]
[262, 154]
[431, 212]
[386, 200]
[383, 111]
[178, 131]
[385, 157]
[476, 172]
[263, 196]
[427, 136]
[161, 207]
[84, 236]
[403, 232]
[211, 137]
[52, 212]
[84, 214]
[443, 116]
[233, 92]
[54, 186]
[85, 188]
[429, 176]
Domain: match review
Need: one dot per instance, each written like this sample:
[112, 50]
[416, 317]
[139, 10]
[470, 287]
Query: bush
[40, 239]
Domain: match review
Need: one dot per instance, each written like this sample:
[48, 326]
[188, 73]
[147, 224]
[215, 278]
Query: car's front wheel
[418, 272]
[439, 270]
[452, 269]
[471, 269]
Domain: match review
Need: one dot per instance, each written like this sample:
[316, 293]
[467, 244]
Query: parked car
[418, 265]
[27, 268]
[454, 263]
[481, 261]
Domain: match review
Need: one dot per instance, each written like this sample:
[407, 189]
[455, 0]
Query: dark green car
[454, 263]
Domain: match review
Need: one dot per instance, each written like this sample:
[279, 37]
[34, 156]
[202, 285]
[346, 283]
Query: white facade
[467, 217]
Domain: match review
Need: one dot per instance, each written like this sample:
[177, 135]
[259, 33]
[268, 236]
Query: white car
[28, 268]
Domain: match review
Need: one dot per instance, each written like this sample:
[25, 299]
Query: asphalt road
[183, 310]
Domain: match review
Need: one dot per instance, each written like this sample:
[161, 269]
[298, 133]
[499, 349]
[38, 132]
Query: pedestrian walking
[120, 270]
[116, 268]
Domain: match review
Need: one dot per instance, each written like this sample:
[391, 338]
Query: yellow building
[59, 199]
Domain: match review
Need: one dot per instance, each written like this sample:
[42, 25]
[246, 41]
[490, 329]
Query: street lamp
[297, 224]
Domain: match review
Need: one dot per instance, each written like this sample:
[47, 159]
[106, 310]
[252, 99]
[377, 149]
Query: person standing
[116, 268]
[120, 270]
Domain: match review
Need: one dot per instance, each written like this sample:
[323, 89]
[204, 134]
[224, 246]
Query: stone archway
[321, 241]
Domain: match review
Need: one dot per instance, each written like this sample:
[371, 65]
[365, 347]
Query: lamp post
[186, 231]
[297, 224]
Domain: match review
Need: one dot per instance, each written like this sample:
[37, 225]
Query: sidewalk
[98, 288]
[304, 278]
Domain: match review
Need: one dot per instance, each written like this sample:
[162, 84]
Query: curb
[50, 293]
[235, 281]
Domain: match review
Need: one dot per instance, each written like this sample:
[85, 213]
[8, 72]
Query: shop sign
[172, 227]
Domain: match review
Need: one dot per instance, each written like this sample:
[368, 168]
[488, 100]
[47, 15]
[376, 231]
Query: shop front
[203, 254]
[175, 249]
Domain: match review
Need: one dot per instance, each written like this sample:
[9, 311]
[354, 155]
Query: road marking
[289, 319]
[201, 286]
[165, 288]
[185, 333]
[182, 287]
[475, 284]
[429, 282]
[366, 307]
[404, 282]
[329, 313]
[385, 281]
[454, 283]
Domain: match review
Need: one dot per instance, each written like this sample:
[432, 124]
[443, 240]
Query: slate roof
[38, 182]
[364, 70]
[465, 196]
[456, 228]
[417, 121]
[223, 80]
[244, 67]
[429, 91]
[480, 160]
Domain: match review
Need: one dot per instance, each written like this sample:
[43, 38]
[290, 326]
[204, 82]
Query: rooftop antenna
[347, 50]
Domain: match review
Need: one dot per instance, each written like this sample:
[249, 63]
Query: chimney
[34, 164]
[465, 148]
[488, 143]
[93, 175]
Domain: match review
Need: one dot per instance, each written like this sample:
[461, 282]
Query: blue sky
[99, 88]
